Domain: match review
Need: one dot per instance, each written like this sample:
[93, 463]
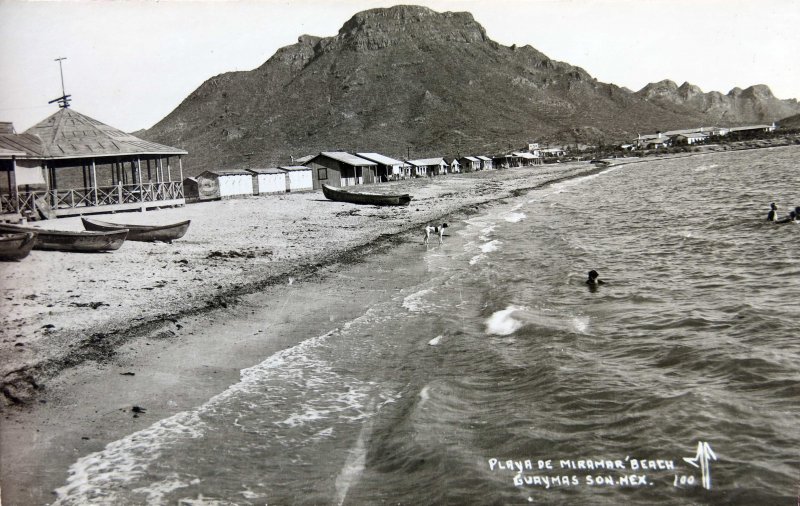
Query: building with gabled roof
[388, 168]
[338, 168]
[470, 163]
[453, 165]
[429, 166]
[486, 162]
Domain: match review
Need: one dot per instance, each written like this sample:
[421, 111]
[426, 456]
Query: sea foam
[415, 302]
[502, 323]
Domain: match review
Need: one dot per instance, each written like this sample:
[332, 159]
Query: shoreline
[31, 360]
[176, 360]
[168, 364]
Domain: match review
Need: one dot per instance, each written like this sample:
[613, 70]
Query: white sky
[130, 63]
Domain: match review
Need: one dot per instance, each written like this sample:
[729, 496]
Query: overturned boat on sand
[375, 199]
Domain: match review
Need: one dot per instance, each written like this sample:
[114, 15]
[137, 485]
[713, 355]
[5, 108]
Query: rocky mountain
[792, 122]
[406, 81]
[755, 104]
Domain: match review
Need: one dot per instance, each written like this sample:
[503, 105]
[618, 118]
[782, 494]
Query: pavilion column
[94, 181]
[180, 167]
[169, 172]
[53, 186]
[12, 185]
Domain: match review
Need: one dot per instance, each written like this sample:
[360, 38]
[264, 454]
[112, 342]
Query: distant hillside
[792, 122]
[406, 80]
[755, 104]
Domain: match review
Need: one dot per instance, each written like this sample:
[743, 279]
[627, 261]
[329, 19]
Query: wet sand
[86, 338]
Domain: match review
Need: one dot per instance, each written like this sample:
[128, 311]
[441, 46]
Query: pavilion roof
[70, 134]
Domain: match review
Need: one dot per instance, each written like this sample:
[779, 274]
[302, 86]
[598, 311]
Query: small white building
[453, 165]
[226, 183]
[470, 163]
[268, 181]
[298, 178]
[486, 162]
[429, 166]
[690, 138]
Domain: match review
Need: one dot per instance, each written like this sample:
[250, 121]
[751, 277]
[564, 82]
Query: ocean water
[502, 378]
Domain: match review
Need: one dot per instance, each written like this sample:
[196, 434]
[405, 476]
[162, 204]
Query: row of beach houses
[70, 164]
[694, 136]
[339, 168]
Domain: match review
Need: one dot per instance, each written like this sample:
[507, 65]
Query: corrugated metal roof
[425, 162]
[70, 134]
[471, 158]
[272, 170]
[527, 156]
[29, 144]
[294, 167]
[484, 158]
[378, 158]
[343, 157]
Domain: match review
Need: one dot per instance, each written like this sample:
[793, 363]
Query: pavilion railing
[25, 202]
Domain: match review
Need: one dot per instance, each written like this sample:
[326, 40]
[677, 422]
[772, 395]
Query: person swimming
[772, 215]
[593, 278]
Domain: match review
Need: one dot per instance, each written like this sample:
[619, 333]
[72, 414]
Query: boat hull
[16, 246]
[83, 242]
[142, 233]
[374, 199]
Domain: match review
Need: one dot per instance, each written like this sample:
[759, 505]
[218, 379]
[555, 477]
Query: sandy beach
[88, 337]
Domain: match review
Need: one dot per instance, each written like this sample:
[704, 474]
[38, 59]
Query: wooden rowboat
[375, 199]
[144, 233]
[60, 240]
[16, 246]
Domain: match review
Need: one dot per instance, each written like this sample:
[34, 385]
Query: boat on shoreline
[61, 240]
[375, 199]
[16, 246]
[143, 233]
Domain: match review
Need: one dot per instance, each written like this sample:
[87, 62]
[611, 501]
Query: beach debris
[127, 374]
[93, 305]
[232, 254]
[138, 410]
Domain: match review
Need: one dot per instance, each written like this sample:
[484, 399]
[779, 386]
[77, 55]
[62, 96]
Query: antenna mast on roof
[63, 100]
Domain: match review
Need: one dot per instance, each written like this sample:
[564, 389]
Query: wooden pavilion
[84, 167]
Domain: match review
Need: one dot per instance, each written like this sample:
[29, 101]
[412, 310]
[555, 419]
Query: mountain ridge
[407, 80]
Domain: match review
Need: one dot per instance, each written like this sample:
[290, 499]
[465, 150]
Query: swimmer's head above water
[593, 275]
